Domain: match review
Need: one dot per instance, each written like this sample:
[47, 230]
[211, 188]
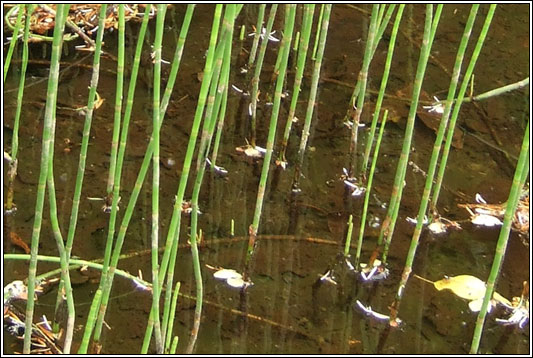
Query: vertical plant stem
[284, 52]
[257, 72]
[382, 26]
[118, 103]
[15, 35]
[429, 30]
[161, 10]
[84, 145]
[174, 227]
[457, 107]
[363, 75]
[257, 35]
[107, 276]
[12, 172]
[51, 98]
[93, 312]
[501, 246]
[170, 327]
[382, 88]
[312, 94]
[209, 124]
[309, 10]
[66, 289]
[369, 189]
[318, 29]
[433, 161]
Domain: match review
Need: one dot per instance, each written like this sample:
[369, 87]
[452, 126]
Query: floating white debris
[479, 199]
[437, 227]
[15, 290]
[414, 221]
[436, 107]
[356, 189]
[485, 220]
[225, 274]
[379, 316]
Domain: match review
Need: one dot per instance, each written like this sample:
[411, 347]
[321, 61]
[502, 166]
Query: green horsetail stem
[156, 127]
[257, 72]
[174, 227]
[107, 276]
[512, 202]
[15, 35]
[396, 195]
[307, 24]
[51, 99]
[368, 190]
[257, 34]
[84, 146]
[434, 157]
[312, 94]
[12, 172]
[363, 76]
[382, 88]
[457, 107]
[118, 101]
[284, 52]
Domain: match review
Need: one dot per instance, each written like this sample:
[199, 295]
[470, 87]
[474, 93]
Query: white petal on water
[437, 227]
[225, 274]
[486, 220]
[236, 282]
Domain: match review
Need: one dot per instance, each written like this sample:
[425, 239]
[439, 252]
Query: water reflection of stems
[309, 10]
[312, 95]
[434, 159]
[257, 72]
[522, 169]
[284, 51]
[51, 99]
[382, 88]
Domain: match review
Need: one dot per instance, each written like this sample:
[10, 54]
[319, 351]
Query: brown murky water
[289, 313]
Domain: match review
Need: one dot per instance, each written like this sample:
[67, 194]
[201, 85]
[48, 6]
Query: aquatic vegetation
[268, 264]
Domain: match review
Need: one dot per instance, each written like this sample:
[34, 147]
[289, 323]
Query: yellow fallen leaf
[468, 287]
[464, 286]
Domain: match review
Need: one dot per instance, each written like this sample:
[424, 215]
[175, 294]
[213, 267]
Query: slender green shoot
[369, 189]
[284, 52]
[309, 10]
[382, 88]
[257, 73]
[257, 34]
[51, 98]
[457, 107]
[501, 246]
[15, 34]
